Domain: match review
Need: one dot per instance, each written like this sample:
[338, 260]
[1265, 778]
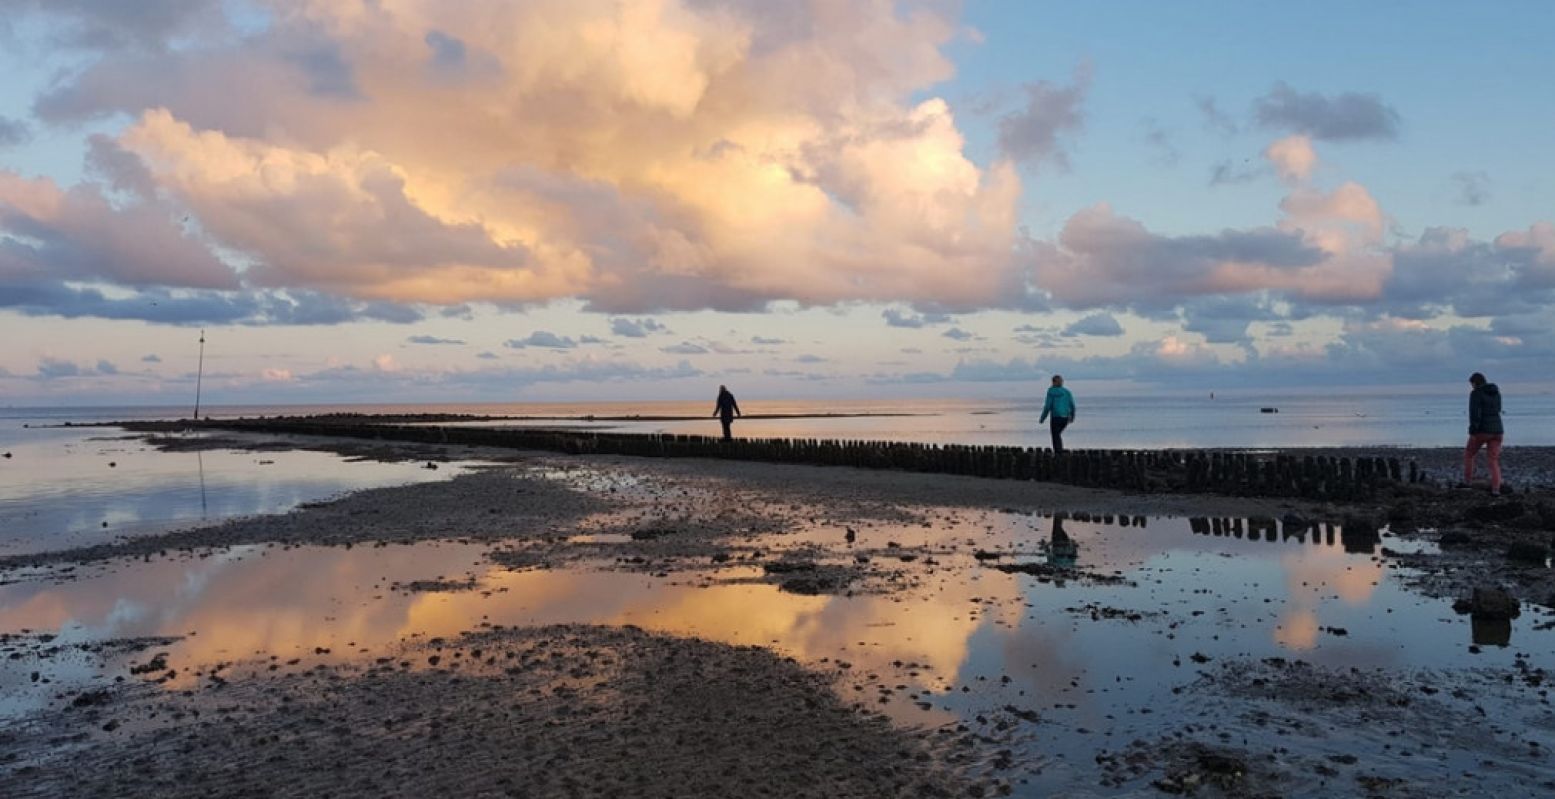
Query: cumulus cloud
[958, 334]
[50, 233]
[1098, 324]
[433, 340]
[636, 328]
[1293, 157]
[1534, 251]
[342, 220]
[685, 348]
[1343, 117]
[641, 155]
[1032, 134]
[542, 339]
[1103, 259]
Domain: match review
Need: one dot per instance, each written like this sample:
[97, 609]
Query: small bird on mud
[850, 536]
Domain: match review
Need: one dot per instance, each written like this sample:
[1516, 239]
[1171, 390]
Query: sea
[67, 486]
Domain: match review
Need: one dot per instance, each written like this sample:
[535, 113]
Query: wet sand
[557, 711]
[648, 714]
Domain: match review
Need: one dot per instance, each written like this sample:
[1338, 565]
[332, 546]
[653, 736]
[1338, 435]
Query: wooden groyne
[1195, 471]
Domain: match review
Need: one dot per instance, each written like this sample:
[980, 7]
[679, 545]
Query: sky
[418, 201]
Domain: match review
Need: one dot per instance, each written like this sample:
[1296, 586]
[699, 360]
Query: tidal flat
[541, 625]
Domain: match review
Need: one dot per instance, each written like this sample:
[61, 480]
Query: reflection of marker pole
[200, 458]
[199, 376]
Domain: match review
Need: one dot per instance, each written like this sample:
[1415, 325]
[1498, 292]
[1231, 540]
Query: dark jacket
[1485, 411]
[727, 407]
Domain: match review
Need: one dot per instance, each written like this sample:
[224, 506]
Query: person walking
[1485, 430]
[1059, 405]
[726, 410]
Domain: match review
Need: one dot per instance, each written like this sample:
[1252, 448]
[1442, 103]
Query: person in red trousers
[1485, 430]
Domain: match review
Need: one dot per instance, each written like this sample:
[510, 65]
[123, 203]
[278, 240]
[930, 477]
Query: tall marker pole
[199, 376]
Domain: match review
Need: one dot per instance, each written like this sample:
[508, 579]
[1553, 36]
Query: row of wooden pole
[1200, 471]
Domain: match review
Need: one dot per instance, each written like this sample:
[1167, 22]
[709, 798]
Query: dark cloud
[1103, 259]
[448, 52]
[543, 339]
[327, 71]
[636, 328]
[77, 234]
[808, 358]
[763, 340]
[13, 132]
[958, 334]
[433, 340]
[591, 340]
[52, 368]
[1229, 173]
[1446, 270]
[1214, 118]
[487, 356]
[461, 311]
[196, 307]
[118, 24]
[1043, 337]
[1098, 324]
[1471, 188]
[1031, 135]
[152, 358]
[1386, 352]
[119, 168]
[896, 317]
[685, 348]
[1349, 116]
[1224, 320]
[1161, 144]
[56, 368]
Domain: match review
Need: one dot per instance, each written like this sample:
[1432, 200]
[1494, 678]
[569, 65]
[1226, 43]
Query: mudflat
[930, 562]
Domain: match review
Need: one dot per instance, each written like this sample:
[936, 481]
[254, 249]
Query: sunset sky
[503, 200]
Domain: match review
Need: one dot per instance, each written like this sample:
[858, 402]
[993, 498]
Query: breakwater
[1234, 473]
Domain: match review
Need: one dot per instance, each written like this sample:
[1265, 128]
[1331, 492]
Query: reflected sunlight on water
[962, 625]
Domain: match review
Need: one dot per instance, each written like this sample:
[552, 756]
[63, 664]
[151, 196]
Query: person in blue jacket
[1059, 405]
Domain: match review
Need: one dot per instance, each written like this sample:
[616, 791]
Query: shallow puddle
[63, 488]
[1096, 658]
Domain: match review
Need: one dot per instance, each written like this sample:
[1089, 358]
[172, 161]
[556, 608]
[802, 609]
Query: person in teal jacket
[1059, 405]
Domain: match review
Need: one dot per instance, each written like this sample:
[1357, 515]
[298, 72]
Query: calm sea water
[1139, 421]
[76, 486]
